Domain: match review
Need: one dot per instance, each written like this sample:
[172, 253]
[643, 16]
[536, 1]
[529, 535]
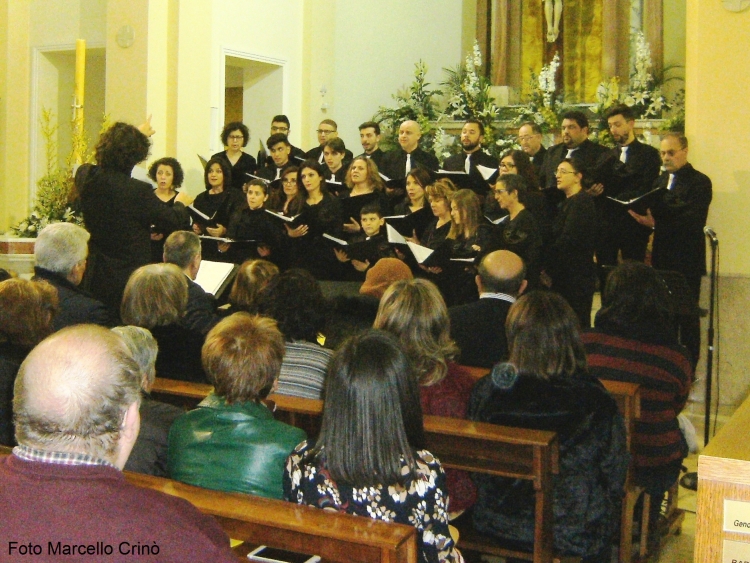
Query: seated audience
[546, 387]
[251, 278]
[183, 249]
[350, 315]
[295, 301]
[27, 311]
[231, 442]
[76, 412]
[156, 298]
[60, 251]
[5, 275]
[634, 340]
[368, 459]
[149, 453]
[415, 313]
[479, 327]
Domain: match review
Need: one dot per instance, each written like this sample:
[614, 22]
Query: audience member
[478, 328]
[368, 459]
[149, 454]
[231, 442]
[415, 313]
[183, 249]
[546, 387]
[76, 410]
[295, 301]
[251, 278]
[61, 250]
[156, 298]
[635, 340]
[235, 136]
[27, 311]
[119, 212]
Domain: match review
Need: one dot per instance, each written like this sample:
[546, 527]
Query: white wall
[262, 99]
[374, 50]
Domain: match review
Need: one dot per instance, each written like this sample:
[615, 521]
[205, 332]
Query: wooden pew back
[517, 453]
[339, 538]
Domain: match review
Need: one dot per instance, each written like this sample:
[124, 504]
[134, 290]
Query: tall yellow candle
[79, 90]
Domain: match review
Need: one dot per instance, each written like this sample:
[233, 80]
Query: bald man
[76, 407]
[479, 327]
[398, 162]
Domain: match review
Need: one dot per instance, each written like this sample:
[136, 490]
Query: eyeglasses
[560, 171]
[324, 131]
[499, 190]
[289, 181]
[236, 137]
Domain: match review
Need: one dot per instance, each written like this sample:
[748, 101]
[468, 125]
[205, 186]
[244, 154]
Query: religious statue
[552, 13]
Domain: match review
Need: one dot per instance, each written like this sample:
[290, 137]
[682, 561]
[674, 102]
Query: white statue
[552, 13]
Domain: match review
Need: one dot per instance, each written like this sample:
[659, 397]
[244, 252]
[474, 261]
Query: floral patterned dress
[420, 501]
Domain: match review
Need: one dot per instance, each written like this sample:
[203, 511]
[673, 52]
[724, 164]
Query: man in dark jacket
[183, 249]
[479, 327]
[61, 250]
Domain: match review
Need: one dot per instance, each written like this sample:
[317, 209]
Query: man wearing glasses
[280, 124]
[530, 140]
[326, 131]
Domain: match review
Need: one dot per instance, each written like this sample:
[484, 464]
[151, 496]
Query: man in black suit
[280, 152]
[479, 327]
[677, 216]
[627, 171]
[61, 250]
[369, 136]
[280, 124]
[530, 139]
[575, 143]
[183, 248]
[327, 130]
[398, 162]
[472, 137]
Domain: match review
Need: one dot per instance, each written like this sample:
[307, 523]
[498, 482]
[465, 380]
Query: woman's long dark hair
[372, 417]
[224, 168]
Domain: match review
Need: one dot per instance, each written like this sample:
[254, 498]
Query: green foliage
[414, 103]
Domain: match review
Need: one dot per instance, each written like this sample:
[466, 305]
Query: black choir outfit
[317, 154]
[521, 236]
[245, 164]
[587, 153]
[479, 330]
[296, 156]
[538, 161]
[680, 214]
[223, 205]
[404, 208]
[570, 257]
[119, 212]
[251, 228]
[311, 251]
[394, 162]
[458, 284]
[618, 231]
[376, 156]
[272, 172]
[457, 163]
[157, 246]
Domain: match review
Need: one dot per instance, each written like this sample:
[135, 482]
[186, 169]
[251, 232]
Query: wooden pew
[340, 538]
[518, 453]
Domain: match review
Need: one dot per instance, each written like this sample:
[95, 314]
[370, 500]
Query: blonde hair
[470, 210]
[415, 312]
[441, 189]
[155, 295]
[251, 278]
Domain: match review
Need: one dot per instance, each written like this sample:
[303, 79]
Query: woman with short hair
[415, 313]
[168, 175]
[231, 442]
[235, 136]
[546, 386]
[368, 459]
[156, 298]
